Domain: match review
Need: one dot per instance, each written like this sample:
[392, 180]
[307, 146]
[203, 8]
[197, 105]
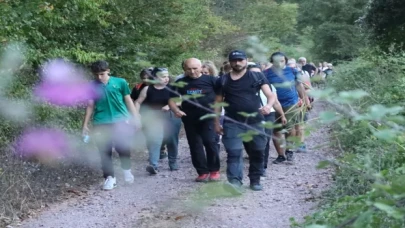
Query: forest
[364, 39]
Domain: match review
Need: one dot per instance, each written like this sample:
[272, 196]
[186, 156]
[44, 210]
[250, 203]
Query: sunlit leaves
[329, 117]
[179, 84]
[248, 115]
[323, 164]
[248, 136]
[219, 105]
[208, 116]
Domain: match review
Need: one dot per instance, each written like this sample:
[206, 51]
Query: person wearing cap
[159, 127]
[239, 89]
[289, 88]
[200, 90]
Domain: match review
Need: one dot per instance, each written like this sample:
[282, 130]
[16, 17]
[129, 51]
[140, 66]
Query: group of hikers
[267, 102]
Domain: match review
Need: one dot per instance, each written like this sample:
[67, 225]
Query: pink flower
[64, 85]
[43, 143]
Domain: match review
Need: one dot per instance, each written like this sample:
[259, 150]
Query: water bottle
[86, 138]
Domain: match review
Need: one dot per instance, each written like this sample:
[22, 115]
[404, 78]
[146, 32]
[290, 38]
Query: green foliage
[385, 20]
[334, 32]
[369, 184]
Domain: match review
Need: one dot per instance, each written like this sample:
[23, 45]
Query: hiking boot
[152, 170]
[215, 176]
[173, 166]
[128, 177]
[234, 187]
[256, 186]
[290, 155]
[163, 155]
[202, 178]
[279, 159]
[110, 183]
[302, 149]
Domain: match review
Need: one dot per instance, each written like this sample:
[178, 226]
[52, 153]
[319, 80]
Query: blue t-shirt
[285, 85]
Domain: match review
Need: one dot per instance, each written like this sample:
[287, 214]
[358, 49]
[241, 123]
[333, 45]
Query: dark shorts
[293, 115]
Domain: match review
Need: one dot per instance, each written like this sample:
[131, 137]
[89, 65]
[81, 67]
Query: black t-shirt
[204, 85]
[156, 98]
[137, 90]
[309, 68]
[242, 96]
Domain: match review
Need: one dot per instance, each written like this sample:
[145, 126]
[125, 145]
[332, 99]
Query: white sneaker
[110, 183]
[128, 177]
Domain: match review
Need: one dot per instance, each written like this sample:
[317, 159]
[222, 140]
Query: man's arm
[173, 106]
[87, 117]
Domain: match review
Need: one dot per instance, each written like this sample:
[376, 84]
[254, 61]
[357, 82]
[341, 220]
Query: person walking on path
[200, 133]
[269, 118]
[159, 127]
[289, 87]
[240, 90]
[114, 121]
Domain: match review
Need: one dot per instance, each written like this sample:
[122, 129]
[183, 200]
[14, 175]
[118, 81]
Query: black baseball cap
[237, 54]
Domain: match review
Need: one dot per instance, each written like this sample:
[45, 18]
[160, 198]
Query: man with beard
[200, 133]
[240, 90]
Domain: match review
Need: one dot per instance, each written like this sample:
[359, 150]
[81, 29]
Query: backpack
[257, 82]
[136, 91]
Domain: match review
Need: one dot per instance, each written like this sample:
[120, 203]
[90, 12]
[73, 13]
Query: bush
[369, 181]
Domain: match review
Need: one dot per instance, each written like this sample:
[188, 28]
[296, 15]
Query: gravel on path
[173, 199]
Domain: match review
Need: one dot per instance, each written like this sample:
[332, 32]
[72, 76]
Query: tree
[385, 20]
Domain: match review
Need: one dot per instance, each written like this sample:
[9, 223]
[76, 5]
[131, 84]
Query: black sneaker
[256, 186]
[290, 155]
[279, 159]
[152, 170]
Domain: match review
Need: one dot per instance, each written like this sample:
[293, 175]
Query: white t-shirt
[264, 98]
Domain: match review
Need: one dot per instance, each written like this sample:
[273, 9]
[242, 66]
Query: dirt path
[172, 199]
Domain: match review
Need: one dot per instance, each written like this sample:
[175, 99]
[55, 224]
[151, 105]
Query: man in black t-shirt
[240, 90]
[199, 89]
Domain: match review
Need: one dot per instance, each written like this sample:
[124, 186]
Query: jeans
[234, 147]
[153, 122]
[119, 136]
[268, 118]
[171, 135]
[200, 134]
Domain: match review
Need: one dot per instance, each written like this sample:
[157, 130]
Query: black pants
[200, 134]
[106, 137]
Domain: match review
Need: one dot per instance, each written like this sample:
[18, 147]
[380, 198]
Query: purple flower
[43, 143]
[64, 85]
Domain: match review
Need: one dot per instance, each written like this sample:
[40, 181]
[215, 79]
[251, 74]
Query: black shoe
[234, 187]
[152, 170]
[279, 159]
[290, 155]
[256, 186]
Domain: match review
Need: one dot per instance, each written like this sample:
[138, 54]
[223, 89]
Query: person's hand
[85, 130]
[265, 110]
[283, 120]
[180, 114]
[218, 129]
[308, 106]
[166, 108]
[135, 121]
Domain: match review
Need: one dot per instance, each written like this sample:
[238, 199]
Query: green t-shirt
[110, 106]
